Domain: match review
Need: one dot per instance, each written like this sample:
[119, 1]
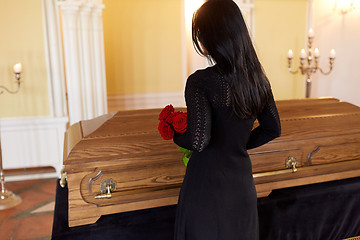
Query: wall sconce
[309, 62]
[344, 6]
[17, 71]
[7, 198]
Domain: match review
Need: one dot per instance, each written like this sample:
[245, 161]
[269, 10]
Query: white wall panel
[32, 142]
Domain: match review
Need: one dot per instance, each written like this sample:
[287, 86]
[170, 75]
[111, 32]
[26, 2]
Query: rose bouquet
[171, 122]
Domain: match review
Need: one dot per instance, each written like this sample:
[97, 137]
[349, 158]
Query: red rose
[180, 122]
[169, 119]
[168, 110]
[165, 130]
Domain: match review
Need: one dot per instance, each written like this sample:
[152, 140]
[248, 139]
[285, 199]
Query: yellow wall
[142, 46]
[142, 49]
[22, 40]
[280, 25]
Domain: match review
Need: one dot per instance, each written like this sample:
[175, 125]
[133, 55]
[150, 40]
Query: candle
[290, 54]
[17, 68]
[303, 54]
[311, 33]
[332, 53]
[317, 53]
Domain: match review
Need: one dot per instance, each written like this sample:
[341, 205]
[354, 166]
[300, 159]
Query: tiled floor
[33, 218]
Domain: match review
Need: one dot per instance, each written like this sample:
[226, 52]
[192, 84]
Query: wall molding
[145, 100]
[32, 142]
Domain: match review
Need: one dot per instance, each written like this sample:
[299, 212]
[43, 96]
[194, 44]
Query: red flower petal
[169, 109]
[180, 122]
[165, 130]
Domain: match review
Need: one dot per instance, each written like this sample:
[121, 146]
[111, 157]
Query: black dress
[218, 197]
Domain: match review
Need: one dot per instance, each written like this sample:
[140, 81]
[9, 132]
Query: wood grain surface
[322, 134]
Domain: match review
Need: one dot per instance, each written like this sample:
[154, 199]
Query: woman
[218, 197]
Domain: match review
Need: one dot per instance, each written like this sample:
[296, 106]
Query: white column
[84, 58]
[70, 26]
[98, 53]
[56, 76]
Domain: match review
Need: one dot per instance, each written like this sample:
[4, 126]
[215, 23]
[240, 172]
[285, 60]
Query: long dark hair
[219, 26]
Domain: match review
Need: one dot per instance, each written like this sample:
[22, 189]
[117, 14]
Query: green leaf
[186, 156]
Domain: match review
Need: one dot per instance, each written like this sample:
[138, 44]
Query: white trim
[30, 177]
[145, 100]
[32, 142]
[21, 123]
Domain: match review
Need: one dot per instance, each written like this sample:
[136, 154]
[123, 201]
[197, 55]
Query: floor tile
[8, 213]
[48, 207]
[49, 187]
[33, 198]
[7, 228]
[16, 186]
[32, 219]
[34, 227]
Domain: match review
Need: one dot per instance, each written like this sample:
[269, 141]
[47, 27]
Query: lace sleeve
[197, 135]
[269, 126]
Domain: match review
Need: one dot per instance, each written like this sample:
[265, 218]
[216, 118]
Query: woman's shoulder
[211, 70]
[203, 76]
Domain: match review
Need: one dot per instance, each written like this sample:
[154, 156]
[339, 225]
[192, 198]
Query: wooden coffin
[119, 162]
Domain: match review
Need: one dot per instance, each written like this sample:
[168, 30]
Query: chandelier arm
[10, 91]
[325, 73]
[293, 72]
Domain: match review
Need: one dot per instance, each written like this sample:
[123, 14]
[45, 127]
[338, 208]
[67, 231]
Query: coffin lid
[120, 134]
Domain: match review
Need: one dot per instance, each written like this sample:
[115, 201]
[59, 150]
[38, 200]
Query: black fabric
[218, 198]
[148, 224]
[326, 211]
[323, 211]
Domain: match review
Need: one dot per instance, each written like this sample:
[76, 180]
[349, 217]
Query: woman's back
[228, 132]
[218, 196]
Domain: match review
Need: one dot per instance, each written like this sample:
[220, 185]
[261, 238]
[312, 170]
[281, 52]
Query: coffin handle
[310, 155]
[106, 188]
[92, 180]
[292, 163]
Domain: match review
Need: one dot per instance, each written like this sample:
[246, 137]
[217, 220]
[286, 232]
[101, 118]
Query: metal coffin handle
[292, 163]
[92, 181]
[106, 188]
[311, 154]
